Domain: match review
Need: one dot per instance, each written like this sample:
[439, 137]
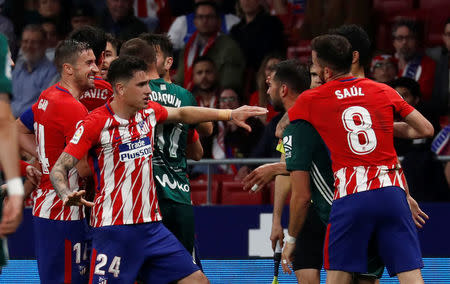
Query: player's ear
[355, 57]
[68, 68]
[168, 62]
[119, 87]
[327, 73]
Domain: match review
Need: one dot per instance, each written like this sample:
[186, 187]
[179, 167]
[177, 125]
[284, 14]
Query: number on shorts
[77, 250]
[114, 268]
[355, 131]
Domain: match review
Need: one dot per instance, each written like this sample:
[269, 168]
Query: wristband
[289, 239]
[15, 186]
[225, 114]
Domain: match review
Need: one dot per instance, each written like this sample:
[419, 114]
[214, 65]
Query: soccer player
[111, 53]
[354, 116]
[60, 230]
[97, 40]
[127, 234]
[169, 157]
[11, 213]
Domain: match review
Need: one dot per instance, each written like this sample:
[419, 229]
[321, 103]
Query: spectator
[441, 90]
[33, 72]
[411, 62]
[111, 53]
[321, 15]
[232, 141]
[82, 15]
[383, 68]
[119, 20]
[291, 13]
[56, 10]
[258, 33]
[260, 96]
[208, 41]
[52, 37]
[424, 174]
[205, 86]
[183, 27]
[147, 11]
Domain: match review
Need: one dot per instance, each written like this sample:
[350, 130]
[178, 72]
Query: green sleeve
[5, 66]
[300, 140]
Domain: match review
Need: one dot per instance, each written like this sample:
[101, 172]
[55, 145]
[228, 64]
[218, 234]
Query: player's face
[405, 42]
[315, 79]
[384, 71]
[316, 66]
[407, 96]
[204, 76]
[137, 90]
[110, 55]
[85, 70]
[274, 92]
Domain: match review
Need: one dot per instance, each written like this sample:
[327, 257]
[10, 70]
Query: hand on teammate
[33, 175]
[259, 177]
[76, 199]
[287, 256]
[418, 215]
[240, 115]
[11, 215]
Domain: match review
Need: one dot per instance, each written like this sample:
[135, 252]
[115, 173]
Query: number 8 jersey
[355, 118]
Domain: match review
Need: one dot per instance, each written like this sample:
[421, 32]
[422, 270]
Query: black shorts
[309, 245]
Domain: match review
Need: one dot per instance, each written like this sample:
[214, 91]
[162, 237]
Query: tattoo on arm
[59, 173]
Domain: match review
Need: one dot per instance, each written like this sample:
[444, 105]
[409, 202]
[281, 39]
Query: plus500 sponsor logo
[141, 148]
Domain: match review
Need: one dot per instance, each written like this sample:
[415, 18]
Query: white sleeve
[230, 21]
[177, 32]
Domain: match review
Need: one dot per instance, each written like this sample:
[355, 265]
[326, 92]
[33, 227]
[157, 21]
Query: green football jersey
[305, 151]
[169, 156]
[5, 66]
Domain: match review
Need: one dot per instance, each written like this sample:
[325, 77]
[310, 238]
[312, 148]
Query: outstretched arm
[194, 115]
[58, 177]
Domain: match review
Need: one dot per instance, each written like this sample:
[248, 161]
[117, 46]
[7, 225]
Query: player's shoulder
[98, 115]
[101, 83]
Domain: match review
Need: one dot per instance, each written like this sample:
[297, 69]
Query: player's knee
[308, 276]
[195, 278]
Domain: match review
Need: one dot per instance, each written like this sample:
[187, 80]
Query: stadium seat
[302, 51]
[439, 9]
[199, 189]
[233, 194]
[392, 6]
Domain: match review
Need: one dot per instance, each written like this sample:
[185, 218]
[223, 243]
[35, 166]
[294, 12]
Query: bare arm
[281, 126]
[194, 151]
[59, 173]
[194, 115]
[414, 126]
[27, 140]
[205, 129]
[282, 189]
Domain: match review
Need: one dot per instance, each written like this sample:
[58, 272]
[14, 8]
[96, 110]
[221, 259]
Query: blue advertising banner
[242, 232]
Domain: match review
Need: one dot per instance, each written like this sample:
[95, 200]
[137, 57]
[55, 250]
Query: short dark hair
[408, 83]
[139, 48]
[161, 41]
[447, 22]
[359, 40]
[334, 52]
[294, 74]
[411, 24]
[207, 3]
[35, 28]
[67, 51]
[116, 43]
[93, 36]
[124, 67]
[203, 58]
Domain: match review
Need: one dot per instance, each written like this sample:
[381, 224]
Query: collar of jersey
[62, 89]
[347, 79]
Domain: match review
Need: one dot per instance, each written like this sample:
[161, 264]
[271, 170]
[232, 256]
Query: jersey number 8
[358, 123]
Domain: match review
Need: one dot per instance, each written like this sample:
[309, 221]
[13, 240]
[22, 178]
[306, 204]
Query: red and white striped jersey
[56, 114]
[98, 96]
[120, 153]
[355, 118]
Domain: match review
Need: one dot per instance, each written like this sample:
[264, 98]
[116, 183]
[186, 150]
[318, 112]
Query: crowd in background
[223, 52]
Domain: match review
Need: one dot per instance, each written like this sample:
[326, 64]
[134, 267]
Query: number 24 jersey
[355, 119]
